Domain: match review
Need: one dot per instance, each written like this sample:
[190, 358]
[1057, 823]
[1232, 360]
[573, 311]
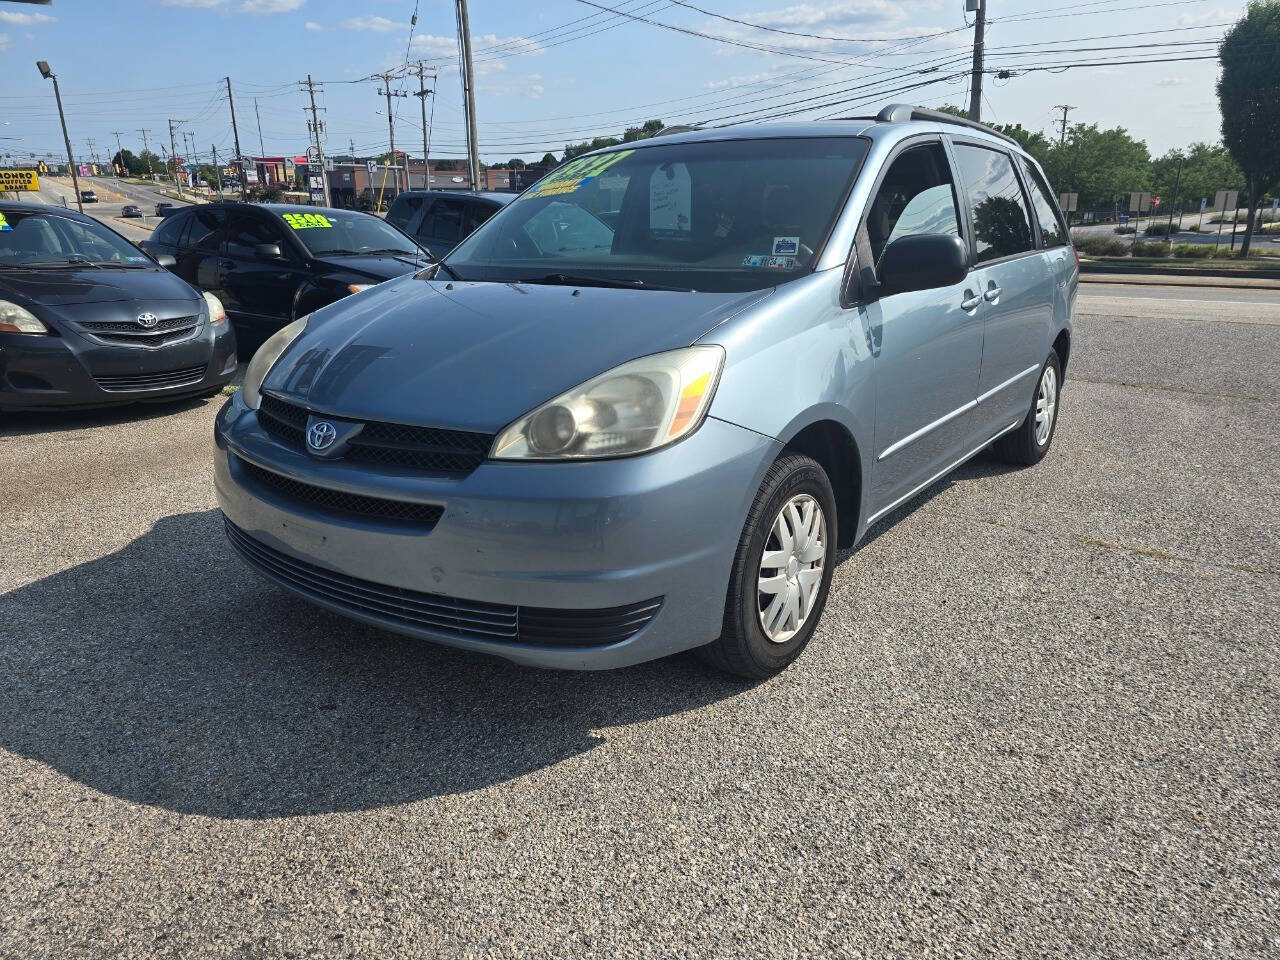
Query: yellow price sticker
[4, 224]
[576, 174]
[306, 221]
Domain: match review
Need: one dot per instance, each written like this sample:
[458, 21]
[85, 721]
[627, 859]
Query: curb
[1268, 281]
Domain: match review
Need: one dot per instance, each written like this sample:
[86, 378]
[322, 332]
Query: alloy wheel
[1046, 405]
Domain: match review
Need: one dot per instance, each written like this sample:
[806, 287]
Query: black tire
[743, 647]
[1020, 446]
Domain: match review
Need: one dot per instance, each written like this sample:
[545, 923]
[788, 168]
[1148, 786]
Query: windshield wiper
[565, 280]
[396, 252]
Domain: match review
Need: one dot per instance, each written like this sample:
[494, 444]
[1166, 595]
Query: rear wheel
[1028, 444]
[781, 571]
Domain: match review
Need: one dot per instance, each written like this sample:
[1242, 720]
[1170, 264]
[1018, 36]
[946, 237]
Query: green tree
[1206, 169]
[1249, 98]
[548, 160]
[1103, 166]
[1032, 141]
[646, 130]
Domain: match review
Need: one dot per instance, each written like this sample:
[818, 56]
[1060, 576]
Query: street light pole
[45, 72]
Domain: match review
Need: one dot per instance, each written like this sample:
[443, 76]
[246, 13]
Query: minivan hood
[475, 356]
[61, 286]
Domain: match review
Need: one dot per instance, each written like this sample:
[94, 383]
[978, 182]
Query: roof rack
[902, 112]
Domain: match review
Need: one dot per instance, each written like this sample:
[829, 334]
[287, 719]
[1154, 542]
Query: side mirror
[922, 262]
[166, 260]
[268, 251]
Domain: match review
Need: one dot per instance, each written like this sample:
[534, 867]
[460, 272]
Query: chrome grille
[152, 381]
[166, 331]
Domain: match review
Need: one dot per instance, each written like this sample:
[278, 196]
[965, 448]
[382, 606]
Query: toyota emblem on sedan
[147, 320]
[320, 435]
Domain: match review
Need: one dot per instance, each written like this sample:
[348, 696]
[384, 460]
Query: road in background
[1040, 716]
[112, 196]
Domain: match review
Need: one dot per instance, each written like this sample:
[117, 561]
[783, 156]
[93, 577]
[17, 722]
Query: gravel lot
[1041, 717]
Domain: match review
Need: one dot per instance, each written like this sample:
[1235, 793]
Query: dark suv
[272, 263]
[440, 219]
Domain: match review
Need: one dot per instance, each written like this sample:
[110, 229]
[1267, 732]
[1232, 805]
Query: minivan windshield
[38, 239]
[342, 232]
[717, 216]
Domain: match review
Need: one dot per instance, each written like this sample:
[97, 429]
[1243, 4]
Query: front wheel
[781, 572]
[1028, 444]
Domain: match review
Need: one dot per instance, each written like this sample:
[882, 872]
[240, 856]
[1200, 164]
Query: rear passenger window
[915, 197]
[1001, 225]
[206, 229]
[444, 222]
[404, 210]
[1052, 232]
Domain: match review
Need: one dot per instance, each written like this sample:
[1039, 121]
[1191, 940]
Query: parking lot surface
[1040, 718]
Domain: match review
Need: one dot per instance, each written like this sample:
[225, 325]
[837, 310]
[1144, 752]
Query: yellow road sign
[19, 180]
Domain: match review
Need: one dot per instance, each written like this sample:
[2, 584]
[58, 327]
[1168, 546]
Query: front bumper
[68, 371]
[594, 536]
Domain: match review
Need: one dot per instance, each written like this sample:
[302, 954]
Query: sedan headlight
[16, 319]
[265, 359]
[217, 312]
[634, 408]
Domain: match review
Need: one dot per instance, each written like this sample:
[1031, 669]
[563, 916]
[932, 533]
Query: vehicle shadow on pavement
[29, 423]
[168, 673]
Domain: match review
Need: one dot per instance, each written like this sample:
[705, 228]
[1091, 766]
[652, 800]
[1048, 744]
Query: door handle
[993, 293]
[972, 302]
[227, 264]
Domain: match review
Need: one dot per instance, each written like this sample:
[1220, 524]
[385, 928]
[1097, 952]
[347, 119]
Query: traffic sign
[1069, 202]
[1139, 202]
[1226, 199]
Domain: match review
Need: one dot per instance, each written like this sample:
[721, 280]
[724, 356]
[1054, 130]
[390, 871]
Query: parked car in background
[88, 196]
[130, 210]
[581, 443]
[87, 319]
[440, 219]
[163, 209]
[272, 263]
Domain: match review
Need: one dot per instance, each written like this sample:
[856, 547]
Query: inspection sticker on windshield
[4, 224]
[576, 174]
[786, 246]
[784, 263]
[306, 221]
[754, 260]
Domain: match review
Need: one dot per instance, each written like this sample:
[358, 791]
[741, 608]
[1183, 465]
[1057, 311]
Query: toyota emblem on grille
[147, 320]
[320, 435]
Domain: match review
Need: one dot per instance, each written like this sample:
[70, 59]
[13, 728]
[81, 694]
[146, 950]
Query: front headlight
[217, 313]
[634, 408]
[265, 359]
[16, 319]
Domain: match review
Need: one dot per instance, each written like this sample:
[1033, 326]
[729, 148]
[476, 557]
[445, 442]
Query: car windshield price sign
[19, 180]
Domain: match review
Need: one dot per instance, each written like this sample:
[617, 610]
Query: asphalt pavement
[1041, 717]
[113, 195]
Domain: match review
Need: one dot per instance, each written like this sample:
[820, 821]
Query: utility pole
[391, 127]
[315, 127]
[979, 35]
[173, 158]
[146, 150]
[43, 67]
[422, 94]
[352, 144]
[93, 154]
[1066, 108]
[468, 84]
[235, 131]
[217, 171]
[262, 150]
[119, 151]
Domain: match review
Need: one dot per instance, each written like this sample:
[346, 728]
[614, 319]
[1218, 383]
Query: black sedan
[272, 263]
[130, 210]
[88, 319]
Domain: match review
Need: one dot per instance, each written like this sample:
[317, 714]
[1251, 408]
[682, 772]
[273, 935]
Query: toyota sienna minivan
[638, 410]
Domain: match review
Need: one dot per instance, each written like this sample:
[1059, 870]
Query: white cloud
[190, 3]
[833, 23]
[373, 24]
[530, 87]
[445, 48]
[24, 19]
[263, 7]
[1171, 82]
[313, 26]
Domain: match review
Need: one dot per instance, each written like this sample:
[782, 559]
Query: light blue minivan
[638, 410]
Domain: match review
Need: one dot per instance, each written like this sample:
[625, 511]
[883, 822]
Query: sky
[555, 71]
